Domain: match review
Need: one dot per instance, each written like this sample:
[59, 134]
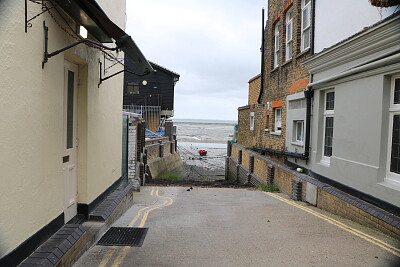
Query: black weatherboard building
[152, 90]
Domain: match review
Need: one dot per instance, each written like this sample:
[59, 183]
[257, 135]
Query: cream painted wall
[31, 119]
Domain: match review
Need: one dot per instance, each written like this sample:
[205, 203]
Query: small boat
[202, 152]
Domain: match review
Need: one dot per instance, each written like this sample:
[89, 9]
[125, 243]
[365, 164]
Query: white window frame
[327, 114]
[305, 8]
[276, 130]
[289, 41]
[394, 109]
[276, 45]
[251, 121]
[296, 123]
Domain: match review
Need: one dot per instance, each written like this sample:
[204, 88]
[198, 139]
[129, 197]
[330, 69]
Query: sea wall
[162, 158]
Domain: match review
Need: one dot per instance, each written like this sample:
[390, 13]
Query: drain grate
[123, 236]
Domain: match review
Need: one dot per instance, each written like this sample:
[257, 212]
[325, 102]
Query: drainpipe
[309, 94]
[262, 59]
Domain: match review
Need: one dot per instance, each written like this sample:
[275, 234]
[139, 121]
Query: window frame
[301, 140]
[327, 113]
[304, 7]
[276, 45]
[252, 121]
[276, 130]
[394, 109]
[134, 86]
[289, 42]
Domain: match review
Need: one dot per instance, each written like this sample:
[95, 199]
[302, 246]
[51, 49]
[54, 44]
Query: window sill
[276, 133]
[287, 62]
[302, 53]
[275, 69]
[391, 183]
[325, 162]
[297, 143]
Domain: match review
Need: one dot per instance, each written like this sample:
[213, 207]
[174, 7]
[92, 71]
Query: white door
[70, 140]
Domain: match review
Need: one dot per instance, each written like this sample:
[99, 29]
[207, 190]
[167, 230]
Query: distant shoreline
[204, 121]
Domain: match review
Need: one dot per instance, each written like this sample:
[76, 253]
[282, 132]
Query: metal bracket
[112, 75]
[47, 55]
[45, 8]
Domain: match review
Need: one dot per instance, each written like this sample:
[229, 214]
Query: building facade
[328, 107]
[61, 137]
[151, 95]
[355, 116]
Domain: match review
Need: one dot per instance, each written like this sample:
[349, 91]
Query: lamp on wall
[144, 82]
[83, 32]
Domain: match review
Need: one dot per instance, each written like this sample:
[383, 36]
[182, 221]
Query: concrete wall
[31, 108]
[337, 20]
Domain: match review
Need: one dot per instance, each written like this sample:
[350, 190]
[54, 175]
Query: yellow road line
[336, 222]
[152, 191]
[341, 225]
[121, 256]
[146, 214]
[107, 257]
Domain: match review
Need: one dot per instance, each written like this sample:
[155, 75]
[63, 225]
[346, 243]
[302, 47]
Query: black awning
[90, 15]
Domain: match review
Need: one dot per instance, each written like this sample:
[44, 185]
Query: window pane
[395, 155]
[328, 140]
[70, 110]
[306, 17]
[306, 2]
[299, 131]
[306, 38]
[278, 119]
[396, 99]
[289, 51]
[330, 101]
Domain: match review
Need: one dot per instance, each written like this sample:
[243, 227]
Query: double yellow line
[341, 225]
[146, 210]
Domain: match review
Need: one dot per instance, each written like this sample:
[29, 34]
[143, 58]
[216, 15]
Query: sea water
[209, 135]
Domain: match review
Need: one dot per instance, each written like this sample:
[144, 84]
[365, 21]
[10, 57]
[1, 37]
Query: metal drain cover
[124, 236]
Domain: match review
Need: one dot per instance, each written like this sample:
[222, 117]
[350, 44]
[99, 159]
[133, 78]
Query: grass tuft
[268, 187]
[169, 176]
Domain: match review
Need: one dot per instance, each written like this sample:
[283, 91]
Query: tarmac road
[240, 227]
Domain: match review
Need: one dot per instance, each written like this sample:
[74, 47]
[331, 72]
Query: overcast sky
[213, 44]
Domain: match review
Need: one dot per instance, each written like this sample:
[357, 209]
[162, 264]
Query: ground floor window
[394, 132]
[251, 121]
[299, 131]
[278, 120]
[329, 112]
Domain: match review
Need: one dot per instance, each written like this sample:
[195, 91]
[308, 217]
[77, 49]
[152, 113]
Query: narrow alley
[239, 227]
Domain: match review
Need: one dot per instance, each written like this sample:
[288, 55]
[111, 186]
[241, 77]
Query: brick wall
[254, 89]
[289, 78]
[327, 197]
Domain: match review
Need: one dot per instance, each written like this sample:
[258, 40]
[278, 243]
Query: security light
[83, 32]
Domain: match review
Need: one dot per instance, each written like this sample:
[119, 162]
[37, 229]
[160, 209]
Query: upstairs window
[305, 24]
[133, 88]
[276, 45]
[289, 34]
